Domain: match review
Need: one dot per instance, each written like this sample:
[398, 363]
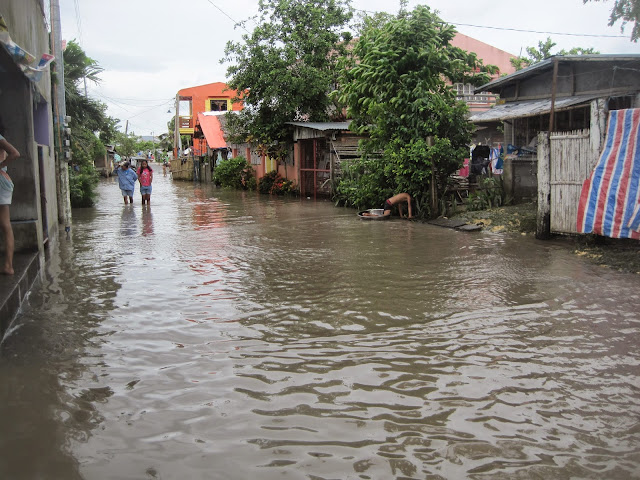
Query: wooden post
[434, 189]
[543, 219]
[597, 129]
[554, 88]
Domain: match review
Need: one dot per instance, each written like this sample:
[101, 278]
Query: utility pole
[177, 141]
[60, 113]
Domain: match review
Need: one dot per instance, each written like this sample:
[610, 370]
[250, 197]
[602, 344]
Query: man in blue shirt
[127, 180]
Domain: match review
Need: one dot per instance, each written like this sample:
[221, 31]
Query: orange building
[192, 101]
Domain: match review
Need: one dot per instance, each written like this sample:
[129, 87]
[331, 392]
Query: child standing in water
[145, 177]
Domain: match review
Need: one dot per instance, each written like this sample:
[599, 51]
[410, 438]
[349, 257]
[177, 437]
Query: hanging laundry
[464, 171]
[496, 159]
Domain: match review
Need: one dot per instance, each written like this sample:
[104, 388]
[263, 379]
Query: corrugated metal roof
[212, 131]
[530, 108]
[322, 126]
[546, 64]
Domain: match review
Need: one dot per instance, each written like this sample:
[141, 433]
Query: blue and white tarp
[610, 199]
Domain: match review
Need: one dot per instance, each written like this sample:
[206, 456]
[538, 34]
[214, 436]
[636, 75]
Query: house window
[464, 93]
[463, 90]
[218, 105]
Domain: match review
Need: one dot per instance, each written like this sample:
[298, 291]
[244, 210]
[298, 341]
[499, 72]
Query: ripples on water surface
[224, 335]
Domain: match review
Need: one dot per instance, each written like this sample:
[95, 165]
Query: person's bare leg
[7, 233]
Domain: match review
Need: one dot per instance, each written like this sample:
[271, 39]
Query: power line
[537, 31]
[78, 21]
[98, 94]
[521, 30]
[126, 101]
[149, 109]
[228, 16]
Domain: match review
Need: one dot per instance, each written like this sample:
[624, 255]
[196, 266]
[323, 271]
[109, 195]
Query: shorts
[127, 193]
[6, 189]
[387, 205]
[145, 190]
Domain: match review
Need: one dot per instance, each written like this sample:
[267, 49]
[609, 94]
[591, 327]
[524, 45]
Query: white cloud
[150, 49]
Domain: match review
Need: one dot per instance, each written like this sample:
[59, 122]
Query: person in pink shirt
[145, 177]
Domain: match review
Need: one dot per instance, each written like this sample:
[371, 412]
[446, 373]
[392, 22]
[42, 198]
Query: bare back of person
[396, 199]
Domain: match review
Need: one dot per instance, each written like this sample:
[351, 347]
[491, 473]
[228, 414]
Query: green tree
[398, 90]
[83, 110]
[88, 119]
[627, 11]
[286, 68]
[543, 51]
[234, 173]
[145, 146]
[166, 139]
[126, 143]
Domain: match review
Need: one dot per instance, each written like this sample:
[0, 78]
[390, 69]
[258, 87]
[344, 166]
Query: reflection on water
[227, 335]
[147, 222]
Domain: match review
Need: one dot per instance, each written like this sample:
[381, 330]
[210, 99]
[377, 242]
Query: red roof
[212, 131]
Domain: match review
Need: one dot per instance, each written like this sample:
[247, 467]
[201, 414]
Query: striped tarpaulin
[609, 202]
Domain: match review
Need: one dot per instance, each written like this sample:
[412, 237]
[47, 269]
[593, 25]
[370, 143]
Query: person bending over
[395, 200]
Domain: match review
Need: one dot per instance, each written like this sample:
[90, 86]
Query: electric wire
[519, 29]
[78, 21]
[538, 31]
[240, 24]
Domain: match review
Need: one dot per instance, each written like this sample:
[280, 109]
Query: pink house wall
[489, 54]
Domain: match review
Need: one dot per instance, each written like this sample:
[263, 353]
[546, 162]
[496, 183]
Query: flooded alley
[228, 335]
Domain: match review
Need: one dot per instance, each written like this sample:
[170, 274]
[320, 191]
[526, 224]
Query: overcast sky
[150, 49]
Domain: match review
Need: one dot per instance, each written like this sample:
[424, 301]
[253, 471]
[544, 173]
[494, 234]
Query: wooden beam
[554, 88]
[543, 217]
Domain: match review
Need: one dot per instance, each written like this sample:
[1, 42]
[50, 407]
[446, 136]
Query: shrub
[274, 184]
[83, 177]
[234, 173]
[82, 186]
[363, 184]
[266, 182]
[489, 194]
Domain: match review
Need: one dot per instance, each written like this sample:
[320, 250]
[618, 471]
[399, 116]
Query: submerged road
[228, 335]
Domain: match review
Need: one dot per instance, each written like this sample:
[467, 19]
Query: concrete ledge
[26, 235]
[14, 288]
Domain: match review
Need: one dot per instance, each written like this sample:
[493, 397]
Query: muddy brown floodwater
[227, 335]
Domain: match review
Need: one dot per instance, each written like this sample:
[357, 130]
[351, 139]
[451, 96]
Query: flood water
[227, 335]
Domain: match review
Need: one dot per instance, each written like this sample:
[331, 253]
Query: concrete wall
[489, 54]
[26, 114]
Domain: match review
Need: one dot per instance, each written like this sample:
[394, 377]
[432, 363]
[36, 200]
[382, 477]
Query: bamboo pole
[543, 218]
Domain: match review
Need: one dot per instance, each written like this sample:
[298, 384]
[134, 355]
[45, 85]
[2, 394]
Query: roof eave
[548, 63]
